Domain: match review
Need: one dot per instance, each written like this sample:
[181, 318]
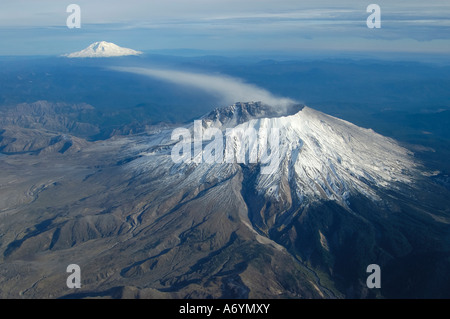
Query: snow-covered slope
[320, 156]
[325, 157]
[103, 49]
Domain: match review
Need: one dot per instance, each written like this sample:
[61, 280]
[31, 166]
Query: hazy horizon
[290, 28]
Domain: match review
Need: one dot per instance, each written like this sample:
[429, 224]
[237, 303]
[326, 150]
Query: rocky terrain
[141, 226]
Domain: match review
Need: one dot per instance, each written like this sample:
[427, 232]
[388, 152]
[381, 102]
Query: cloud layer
[220, 25]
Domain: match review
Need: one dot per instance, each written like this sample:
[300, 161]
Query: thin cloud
[229, 89]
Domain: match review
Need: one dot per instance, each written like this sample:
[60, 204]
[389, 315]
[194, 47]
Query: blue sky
[410, 27]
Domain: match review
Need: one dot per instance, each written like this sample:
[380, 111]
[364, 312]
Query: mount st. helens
[140, 225]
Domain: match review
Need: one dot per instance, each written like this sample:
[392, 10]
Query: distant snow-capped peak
[103, 49]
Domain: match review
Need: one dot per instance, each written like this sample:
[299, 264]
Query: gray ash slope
[140, 225]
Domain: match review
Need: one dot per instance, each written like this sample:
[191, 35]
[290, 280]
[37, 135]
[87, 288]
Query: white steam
[229, 89]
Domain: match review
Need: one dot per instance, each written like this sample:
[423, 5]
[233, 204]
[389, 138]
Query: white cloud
[229, 89]
[221, 25]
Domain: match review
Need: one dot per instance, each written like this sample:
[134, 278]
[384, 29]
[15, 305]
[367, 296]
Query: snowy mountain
[339, 198]
[103, 49]
[319, 156]
[320, 159]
